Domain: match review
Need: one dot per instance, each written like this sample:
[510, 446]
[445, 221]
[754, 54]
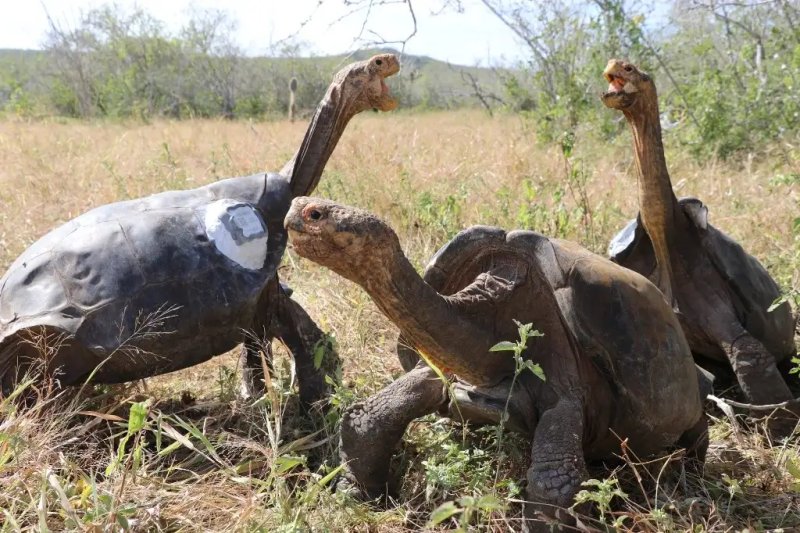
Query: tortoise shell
[752, 288]
[153, 284]
[617, 318]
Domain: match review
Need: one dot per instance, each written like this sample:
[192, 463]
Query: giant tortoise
[142, 287]
[617, 365]
[721, 293]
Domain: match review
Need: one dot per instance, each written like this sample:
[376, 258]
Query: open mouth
[615, 84]
[620, 92]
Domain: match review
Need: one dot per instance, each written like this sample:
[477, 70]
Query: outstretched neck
[304, 169]
[433, 325]
[657, 203]
[655, 187]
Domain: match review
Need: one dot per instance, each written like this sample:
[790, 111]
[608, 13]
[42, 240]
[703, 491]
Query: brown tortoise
[617, 365]
[720, 293]
[152, 285]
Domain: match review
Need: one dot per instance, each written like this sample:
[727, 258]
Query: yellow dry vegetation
[430, 175]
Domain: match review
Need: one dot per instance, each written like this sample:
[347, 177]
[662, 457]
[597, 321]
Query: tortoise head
[349, 241]
[356, 88]
[362, 84]
[627, 85]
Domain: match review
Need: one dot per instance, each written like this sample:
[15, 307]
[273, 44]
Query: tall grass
[182, 452]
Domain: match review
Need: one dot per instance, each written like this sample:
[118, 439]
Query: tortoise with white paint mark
[142, 287]
[722, 294]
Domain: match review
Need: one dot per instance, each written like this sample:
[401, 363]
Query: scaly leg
[557, 465]
[304, 339]
[252, 365]
[759, 378]
[371, 429]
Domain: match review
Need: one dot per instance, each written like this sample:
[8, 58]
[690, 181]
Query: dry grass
[429, 175]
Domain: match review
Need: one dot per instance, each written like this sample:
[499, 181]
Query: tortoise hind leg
[371, 429]
[49, 356]
[557, 466]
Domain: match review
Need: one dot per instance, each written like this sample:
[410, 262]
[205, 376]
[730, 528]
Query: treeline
[122, 64]
[727, 72]
[116, 63]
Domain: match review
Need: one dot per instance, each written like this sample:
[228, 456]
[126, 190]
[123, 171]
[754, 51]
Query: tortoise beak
[293, 222]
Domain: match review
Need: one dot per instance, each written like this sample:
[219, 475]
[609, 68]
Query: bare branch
[752, 407]
[478, 91]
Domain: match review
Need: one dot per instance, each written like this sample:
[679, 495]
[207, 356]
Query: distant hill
[33, 76]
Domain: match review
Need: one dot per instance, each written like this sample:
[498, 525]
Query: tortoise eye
[628, 68]
[314, 214]
[379, 62]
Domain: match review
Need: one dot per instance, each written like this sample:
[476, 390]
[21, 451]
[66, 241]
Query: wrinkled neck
[657, 203]
[433, 324]
[651, 166]
[330, 119]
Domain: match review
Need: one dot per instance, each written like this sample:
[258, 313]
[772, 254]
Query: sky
[469, 38]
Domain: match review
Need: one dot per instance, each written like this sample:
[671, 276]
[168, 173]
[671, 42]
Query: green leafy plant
[454, 468]
[793, 467]
[525, 332]
[600, 492]
[518, 347]
[466, 509]
[137, 422]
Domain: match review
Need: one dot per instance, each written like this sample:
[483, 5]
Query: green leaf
[504, 346]
[466, 501]
[536, 369]
[793, 468]
[284, 464]
[490, 502]
[169, 449]
[330, 475]
[319, 353]
[443, 512]
[137, 416]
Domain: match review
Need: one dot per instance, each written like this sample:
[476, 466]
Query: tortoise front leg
[695, 440]
[253, 366]
[371, 429]
[759, 378]
[303, 338]
[407, 355]
[557, 465]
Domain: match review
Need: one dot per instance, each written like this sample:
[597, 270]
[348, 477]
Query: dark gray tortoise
[138, 288]
[720, 292]
[617, 365]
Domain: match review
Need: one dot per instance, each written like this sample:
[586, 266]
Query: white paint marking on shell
[623, 239]
[238, 232]
[630, 88]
